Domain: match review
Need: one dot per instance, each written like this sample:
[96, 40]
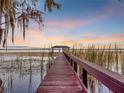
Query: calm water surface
[22, 74]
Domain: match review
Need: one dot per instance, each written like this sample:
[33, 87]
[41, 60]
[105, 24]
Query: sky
[79, 21]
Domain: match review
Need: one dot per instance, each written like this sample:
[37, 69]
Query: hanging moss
[20, 12]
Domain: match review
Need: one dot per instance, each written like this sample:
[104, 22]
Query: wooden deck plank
[60, 78]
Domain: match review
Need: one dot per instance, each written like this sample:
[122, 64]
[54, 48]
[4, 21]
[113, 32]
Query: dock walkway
[61, 78]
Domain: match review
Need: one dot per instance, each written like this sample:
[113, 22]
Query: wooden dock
[61, 78]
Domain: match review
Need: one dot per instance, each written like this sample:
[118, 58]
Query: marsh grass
[110, 56]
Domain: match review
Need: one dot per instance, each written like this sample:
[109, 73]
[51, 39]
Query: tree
[20, 12]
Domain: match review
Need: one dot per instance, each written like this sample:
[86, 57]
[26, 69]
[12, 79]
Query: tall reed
[41, 63]
[107, 56]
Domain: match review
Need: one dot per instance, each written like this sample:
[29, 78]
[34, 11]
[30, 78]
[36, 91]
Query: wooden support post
[75, 66]
[70, 59]
[71, 63]
[85, 77]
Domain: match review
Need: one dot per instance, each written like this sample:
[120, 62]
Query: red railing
[112, 80]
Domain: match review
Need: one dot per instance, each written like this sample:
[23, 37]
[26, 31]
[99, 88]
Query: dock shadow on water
[22, 73]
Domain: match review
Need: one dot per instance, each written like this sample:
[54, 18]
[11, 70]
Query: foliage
[20, 12]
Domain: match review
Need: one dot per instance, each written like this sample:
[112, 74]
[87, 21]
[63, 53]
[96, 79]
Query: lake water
[23, 74]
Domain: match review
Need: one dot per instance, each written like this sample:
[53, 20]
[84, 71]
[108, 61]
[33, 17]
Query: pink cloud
[113, 39]
[58, 39]
[117, 38]
[66, 24]
[71, 24]
[35, 38]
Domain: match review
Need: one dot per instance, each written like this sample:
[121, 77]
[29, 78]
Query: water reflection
[22, 74]
[115, 64]
[95, 86]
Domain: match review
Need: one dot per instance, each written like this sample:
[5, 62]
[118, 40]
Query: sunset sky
[78, 21]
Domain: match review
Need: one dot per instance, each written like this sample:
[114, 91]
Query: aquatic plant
[104, 56]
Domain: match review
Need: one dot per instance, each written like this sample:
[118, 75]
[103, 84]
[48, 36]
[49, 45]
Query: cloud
[73, 23]
[57, 39]
[90, 38]
[66, 24]
[36, 38]
[113, 39]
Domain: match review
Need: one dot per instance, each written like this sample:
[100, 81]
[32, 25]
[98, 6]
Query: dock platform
[61, 78]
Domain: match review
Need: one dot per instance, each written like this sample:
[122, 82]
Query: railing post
[71, 62]
[75, 66]
[85, 78]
